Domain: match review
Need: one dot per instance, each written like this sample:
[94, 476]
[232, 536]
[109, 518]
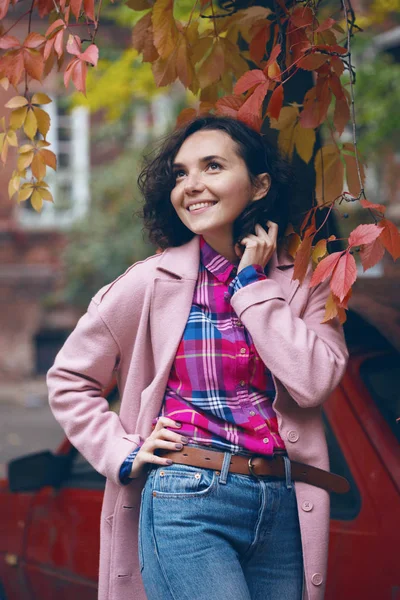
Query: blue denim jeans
[210, 536]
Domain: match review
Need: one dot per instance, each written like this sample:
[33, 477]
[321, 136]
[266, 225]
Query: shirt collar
[218, 265]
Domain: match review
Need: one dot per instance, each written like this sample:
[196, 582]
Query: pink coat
[133, 327]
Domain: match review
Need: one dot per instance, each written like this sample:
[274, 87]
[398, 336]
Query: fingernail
[179, 446]
[169, 461]
[184, 439]
[178, 424]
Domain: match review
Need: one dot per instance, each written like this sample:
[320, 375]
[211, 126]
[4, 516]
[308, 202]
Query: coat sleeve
[307, 356]
[82, 369]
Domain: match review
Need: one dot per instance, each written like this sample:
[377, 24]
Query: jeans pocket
[183, 481]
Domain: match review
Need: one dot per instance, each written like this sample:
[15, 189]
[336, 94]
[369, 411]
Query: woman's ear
[262, 186]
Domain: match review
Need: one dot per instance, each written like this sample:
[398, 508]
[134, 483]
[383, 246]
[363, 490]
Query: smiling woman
[222, 364]
[184, 172]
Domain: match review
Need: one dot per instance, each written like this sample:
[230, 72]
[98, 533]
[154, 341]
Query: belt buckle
[251, 467]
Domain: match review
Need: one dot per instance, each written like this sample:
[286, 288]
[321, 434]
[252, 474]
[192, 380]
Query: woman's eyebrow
[203, 160]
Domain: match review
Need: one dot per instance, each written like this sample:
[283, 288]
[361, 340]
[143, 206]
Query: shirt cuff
[248, 275]
[126, 467]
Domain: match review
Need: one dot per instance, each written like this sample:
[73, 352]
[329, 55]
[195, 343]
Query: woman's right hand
[160, 437]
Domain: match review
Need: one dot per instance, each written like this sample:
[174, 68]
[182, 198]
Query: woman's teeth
[200, 205]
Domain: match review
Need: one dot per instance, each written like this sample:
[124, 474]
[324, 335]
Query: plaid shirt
[218, 387]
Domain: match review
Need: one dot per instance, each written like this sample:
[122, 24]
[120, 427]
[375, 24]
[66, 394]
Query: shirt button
[252, 413]
[242, 350]
[266, 440]
[239, 324]
[307, 506]
[292, 436]
[317, 579]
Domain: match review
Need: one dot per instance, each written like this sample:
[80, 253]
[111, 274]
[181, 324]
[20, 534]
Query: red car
[50, 504]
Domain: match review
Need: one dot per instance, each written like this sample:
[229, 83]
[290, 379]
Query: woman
[223, 365]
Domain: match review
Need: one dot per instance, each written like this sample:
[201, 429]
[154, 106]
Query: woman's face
[212, 185]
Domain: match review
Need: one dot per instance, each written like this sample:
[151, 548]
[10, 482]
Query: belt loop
[288, 474]
[225, 467]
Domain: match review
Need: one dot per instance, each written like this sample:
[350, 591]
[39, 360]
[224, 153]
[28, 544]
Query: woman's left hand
[259, 247]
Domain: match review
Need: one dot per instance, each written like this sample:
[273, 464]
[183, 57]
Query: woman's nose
[193, 182]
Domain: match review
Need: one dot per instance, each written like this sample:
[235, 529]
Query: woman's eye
[178, 174]
[214, 164]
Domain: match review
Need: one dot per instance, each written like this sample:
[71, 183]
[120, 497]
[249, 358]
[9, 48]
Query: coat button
[307, 506]
[292, 436]
[317, 579]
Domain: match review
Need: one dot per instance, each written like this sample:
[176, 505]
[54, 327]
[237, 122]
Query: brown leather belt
[259, 466]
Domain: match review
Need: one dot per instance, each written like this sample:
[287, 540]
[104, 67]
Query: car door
[363, 553]
[62, 544]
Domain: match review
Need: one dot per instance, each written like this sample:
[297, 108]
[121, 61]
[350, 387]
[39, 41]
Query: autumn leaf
[212, 68]
[325, 268]
[55, 39]
[303, 256]
[332, 310]
[344, 275]
[7, 138]
[259, 40]
[229, 105]
[364, 234]
[142, 39]
[22, 58]
[304, 141]
[319, 251]
[329, 174]
[165, 32]
[371, 254]
[250, 80]
[352, 178]
[275, 103]
[390, 237]
[370, 205]
[77, 68]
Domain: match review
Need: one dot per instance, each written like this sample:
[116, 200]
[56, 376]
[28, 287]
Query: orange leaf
[33, 62]
[302, 259]
[302, 17]
[164, 27]
[259, 43]
[38, 167]
[212, 69]
[89, 9]
[311, 62]
[390, 237]
[275, 103]
[364, 234]
[229, 105]
[49, 158]
[344, 275]
[329, 174]
[353, 182]
[341, 115]
[325, 268]
[8, 42]
[371, 254]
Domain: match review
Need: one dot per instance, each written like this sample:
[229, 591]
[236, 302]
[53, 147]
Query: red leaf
[325, 268]
[59, 24]
[303, 256]
[91, 55]
[276, 50]
[4, 4]
[75, 7]
[229, 105]
[371, 254]
[259, 43]
[342, 114]
[302, 17]
[249, 80]
[9, 41]
[74, 45]
[390, 238]
[275, 103]
[367, 204]
[33, 41]
[364, 234]
[312, 61]
[79, 76]
[327, 24]
[344, 275]
[89, 9]
[254, 103]
[33, 62]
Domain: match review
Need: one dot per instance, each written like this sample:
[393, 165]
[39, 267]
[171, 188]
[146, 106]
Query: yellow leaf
[294, 241]
[17, 117]
[304, 140]
[319, 251]
[43, 120]
[286, 142]
[164, 27]
[17, 102]
[200, 49]
[42, 144]
[24, 160]
[4, 82]
[25, 148]
[37, 201]
[13, 186]
[213, 66]
[287, 118]
[329, 174]
[4, 150]
[25, 193]
[40, 99]
[331, 309]
[46, 195]
[38, 167]
[30, 125]
[12, 138]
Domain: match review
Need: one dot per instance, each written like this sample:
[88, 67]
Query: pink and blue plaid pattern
[219, 388]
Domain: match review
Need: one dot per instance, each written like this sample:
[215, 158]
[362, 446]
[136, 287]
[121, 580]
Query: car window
[381, 375]
[344, 507]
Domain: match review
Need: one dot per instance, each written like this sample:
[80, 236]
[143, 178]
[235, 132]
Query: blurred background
[52, 262]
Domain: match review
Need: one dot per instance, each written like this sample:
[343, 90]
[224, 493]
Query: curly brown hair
[156, 181]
